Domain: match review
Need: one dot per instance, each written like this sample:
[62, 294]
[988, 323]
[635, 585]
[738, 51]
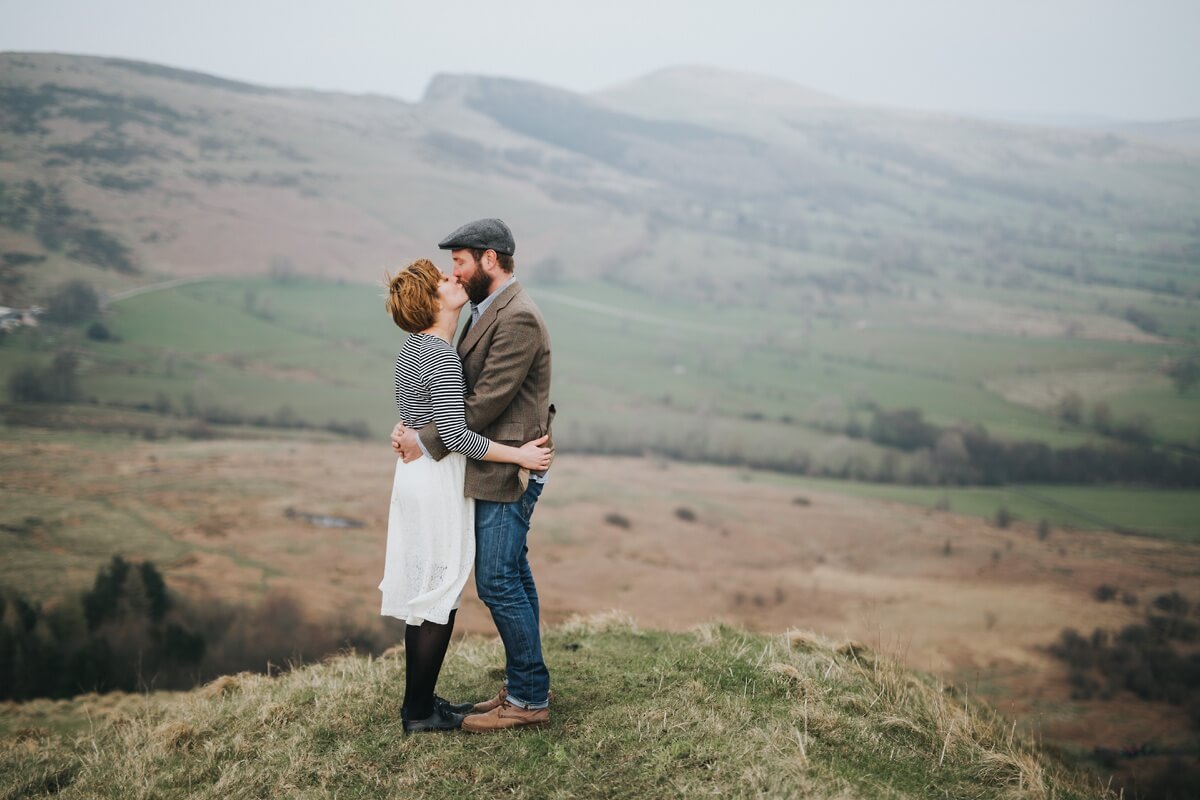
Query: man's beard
[478, 286]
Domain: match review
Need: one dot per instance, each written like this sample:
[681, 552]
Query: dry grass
[221, 685]
[715, 712]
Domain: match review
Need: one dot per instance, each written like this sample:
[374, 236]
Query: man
[505, 350]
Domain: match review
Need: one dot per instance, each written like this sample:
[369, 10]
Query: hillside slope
[126, 169]
[638, 714]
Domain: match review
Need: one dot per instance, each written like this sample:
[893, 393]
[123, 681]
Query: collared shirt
[477, 311]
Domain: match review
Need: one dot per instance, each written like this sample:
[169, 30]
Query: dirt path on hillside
[154, 287]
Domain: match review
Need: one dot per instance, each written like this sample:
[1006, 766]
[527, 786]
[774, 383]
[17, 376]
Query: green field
[631, 373]
[635, 375]
[1165, 513]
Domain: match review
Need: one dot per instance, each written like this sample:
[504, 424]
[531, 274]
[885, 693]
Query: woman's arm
[446, 392]
[510, 354]
[531, 455]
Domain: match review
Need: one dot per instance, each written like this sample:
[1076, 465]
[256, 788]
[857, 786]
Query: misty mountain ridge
[190, 174]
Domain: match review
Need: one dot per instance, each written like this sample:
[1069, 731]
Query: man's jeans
[505, 585]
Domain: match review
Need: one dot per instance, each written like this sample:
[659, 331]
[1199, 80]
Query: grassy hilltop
[717, 711]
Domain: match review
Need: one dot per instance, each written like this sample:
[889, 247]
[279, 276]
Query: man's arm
[429, 442]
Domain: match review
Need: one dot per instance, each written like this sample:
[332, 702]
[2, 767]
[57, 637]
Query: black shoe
[454, 708]
[439, 720]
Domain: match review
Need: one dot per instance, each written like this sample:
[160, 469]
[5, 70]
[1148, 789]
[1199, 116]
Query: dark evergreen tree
[101, 602]
[156, 591]
[74, 301]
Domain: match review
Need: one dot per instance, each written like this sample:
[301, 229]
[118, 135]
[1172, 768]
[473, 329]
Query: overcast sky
[1051, 58]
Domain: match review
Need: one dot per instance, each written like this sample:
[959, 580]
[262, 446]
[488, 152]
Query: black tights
[424, 649]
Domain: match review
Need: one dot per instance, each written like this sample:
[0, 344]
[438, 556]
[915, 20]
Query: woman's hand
[534, 457]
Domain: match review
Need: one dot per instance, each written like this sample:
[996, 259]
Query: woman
[431, 524]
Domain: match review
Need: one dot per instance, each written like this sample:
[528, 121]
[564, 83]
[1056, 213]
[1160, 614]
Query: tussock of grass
[716, 711]
[222, 685]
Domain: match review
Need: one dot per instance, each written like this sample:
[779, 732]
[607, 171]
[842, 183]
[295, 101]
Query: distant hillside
[721, 98]
[1182, 132]
[126, 170]
[636, 714]
[724, 258]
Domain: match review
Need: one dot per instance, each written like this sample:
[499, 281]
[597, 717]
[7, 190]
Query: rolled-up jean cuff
[519, 703]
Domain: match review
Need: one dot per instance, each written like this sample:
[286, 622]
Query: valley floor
[672, 545]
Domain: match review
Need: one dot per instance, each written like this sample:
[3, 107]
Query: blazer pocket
[510, 433]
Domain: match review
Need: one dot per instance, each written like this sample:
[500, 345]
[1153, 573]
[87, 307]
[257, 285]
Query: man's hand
[404, 443]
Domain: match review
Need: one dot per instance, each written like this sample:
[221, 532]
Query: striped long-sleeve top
[430, 388]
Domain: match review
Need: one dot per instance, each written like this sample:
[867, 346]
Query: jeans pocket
[527, 502]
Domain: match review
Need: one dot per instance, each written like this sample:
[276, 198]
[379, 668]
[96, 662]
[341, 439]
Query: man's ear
[490, 263]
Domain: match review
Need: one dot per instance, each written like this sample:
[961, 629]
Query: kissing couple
[474, 448]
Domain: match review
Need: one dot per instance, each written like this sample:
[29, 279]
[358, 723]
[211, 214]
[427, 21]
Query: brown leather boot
[506, 716]
[485, 706]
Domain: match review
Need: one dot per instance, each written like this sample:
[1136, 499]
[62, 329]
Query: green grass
[327, 354]
[1173, 415]
[1167, 513]
[736, 374]
[633, 373]
[716, 712]
[701, 376]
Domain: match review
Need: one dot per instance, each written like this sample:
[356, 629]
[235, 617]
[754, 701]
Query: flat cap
[482, 234]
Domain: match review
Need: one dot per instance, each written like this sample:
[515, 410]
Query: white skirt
[430, 542]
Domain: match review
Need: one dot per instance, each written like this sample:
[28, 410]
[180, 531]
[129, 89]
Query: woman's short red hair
[412, 297]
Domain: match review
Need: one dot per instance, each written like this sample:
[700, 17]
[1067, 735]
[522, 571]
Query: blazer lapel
[473, 333]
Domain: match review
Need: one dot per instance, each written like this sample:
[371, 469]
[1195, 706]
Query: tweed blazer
[506, 363]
